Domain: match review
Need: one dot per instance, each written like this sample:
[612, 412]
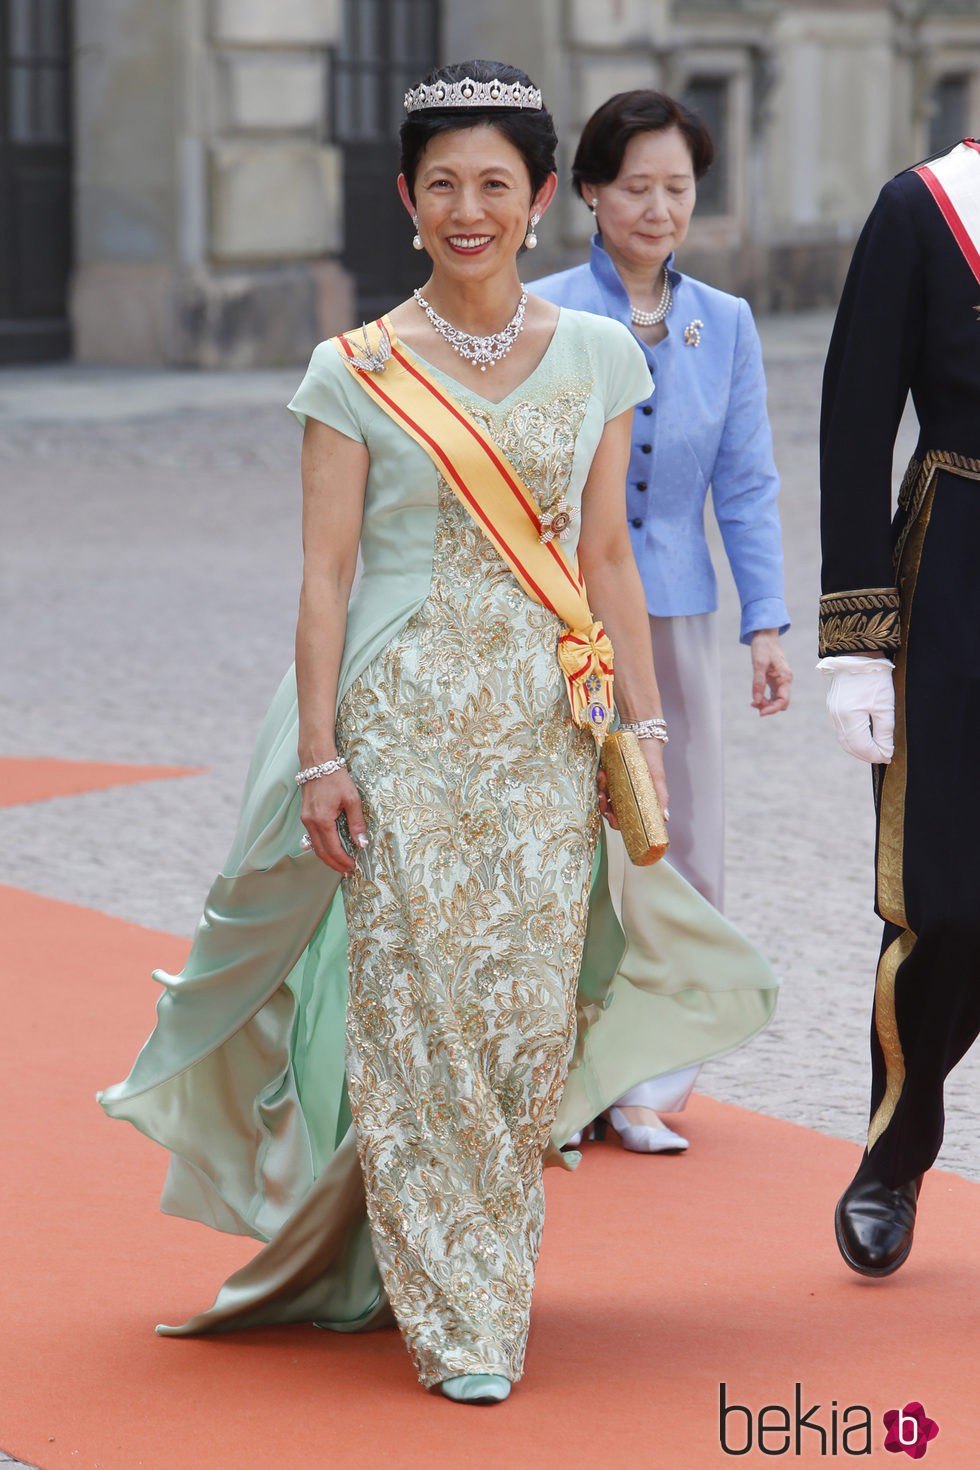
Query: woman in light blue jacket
[705, 424]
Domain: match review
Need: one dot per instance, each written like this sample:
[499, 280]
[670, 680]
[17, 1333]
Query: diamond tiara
[469, 93]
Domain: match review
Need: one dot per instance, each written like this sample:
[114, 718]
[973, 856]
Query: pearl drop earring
[416, 238]
[531, 239]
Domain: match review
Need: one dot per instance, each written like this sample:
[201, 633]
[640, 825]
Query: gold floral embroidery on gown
[466, 922]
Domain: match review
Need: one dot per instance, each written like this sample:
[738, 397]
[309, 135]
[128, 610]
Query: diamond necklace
[482, 350]
[654, 318]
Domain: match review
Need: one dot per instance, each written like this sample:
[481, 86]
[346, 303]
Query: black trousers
[927, 991]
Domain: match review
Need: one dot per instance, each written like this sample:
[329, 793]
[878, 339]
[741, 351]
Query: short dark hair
[599, 155]
[531, 132]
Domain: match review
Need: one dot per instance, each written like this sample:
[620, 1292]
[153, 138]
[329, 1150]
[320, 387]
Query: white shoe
[476, 1388]
[642, 1138]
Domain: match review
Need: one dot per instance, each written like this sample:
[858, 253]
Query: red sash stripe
[585, 655]
[370, 381]
[515, 489]
[960, 234]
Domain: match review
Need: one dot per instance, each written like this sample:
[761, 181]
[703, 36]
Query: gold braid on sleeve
[863, 621]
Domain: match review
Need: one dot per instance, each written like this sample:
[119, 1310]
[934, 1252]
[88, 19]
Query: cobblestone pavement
[148, 579]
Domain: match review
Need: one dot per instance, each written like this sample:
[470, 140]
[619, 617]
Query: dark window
[387, 46]
[949, 112]
[709, 98]
[35, 179]
[38, 102]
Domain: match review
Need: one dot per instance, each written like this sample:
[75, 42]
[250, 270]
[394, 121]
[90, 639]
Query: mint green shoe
[476, 1388]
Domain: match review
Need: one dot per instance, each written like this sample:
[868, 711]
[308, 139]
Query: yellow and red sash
[489, 487]
[954, 183]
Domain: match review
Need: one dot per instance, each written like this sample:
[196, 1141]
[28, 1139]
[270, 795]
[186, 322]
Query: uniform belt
[916, 482]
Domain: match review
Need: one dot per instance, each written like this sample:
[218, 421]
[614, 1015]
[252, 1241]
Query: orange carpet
[660, 1280]
[36, 779]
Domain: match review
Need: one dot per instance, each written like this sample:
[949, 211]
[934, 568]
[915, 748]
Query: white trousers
[687, 659]
[688, 664]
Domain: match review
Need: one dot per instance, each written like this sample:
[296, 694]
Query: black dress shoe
[874, 1223]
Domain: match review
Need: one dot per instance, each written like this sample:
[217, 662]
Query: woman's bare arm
[334, 478]
[615, 590]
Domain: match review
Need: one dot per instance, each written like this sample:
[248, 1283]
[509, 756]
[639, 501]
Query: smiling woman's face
[644, 213]
[473, 200]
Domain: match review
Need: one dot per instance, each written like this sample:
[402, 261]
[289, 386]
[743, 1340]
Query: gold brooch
[692, 333]
[367, 361]
[556, 524]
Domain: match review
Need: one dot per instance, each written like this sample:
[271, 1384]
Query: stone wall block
[246, 319]
[600, 80]
[334, 298]
[270, 93]
[577, 222]
[611, 24]
[123, 312]
[128, 75]
[804, 276]
[275, 201]
[283, 23]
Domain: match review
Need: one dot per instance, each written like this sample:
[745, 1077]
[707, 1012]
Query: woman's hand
[605, 805]
[324, 800]
[771, 673]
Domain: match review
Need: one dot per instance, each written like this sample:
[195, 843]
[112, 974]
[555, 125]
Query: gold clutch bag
[633, 798]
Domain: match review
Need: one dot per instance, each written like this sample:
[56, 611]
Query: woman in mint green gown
[374, 1046]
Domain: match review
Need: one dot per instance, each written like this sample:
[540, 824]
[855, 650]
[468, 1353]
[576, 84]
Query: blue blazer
[704, 424]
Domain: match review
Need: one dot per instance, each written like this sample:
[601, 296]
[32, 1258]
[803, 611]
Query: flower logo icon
[909, 1429]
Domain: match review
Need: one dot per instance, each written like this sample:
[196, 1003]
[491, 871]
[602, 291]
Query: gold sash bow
[586, 660]
[488, 486]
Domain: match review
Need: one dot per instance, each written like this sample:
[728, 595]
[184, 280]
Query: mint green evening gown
[373, 1094]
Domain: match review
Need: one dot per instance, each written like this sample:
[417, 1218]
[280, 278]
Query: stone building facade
[210, 182]
[207, 189]
[814, 106]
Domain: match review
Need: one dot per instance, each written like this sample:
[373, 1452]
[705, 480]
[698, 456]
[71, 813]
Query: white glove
[861, 705]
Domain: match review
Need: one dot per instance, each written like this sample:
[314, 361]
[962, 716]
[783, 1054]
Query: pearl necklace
[482, 350]
[654, 318]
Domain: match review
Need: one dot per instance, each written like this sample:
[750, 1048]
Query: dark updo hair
[599, 155]
[532, 133]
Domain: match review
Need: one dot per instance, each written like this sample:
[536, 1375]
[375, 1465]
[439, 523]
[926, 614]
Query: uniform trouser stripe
[886, 1030]
[927, 988]
[891, 792]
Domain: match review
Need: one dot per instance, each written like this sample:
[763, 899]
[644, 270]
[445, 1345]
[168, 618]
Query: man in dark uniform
[908, 591]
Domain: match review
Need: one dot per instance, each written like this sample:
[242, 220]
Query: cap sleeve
[328, 393]
[626, 378]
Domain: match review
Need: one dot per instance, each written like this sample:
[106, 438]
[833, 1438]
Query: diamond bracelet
[326, 768]
[647, 729]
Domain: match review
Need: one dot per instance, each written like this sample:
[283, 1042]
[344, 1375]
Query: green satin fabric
[243, 1078]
